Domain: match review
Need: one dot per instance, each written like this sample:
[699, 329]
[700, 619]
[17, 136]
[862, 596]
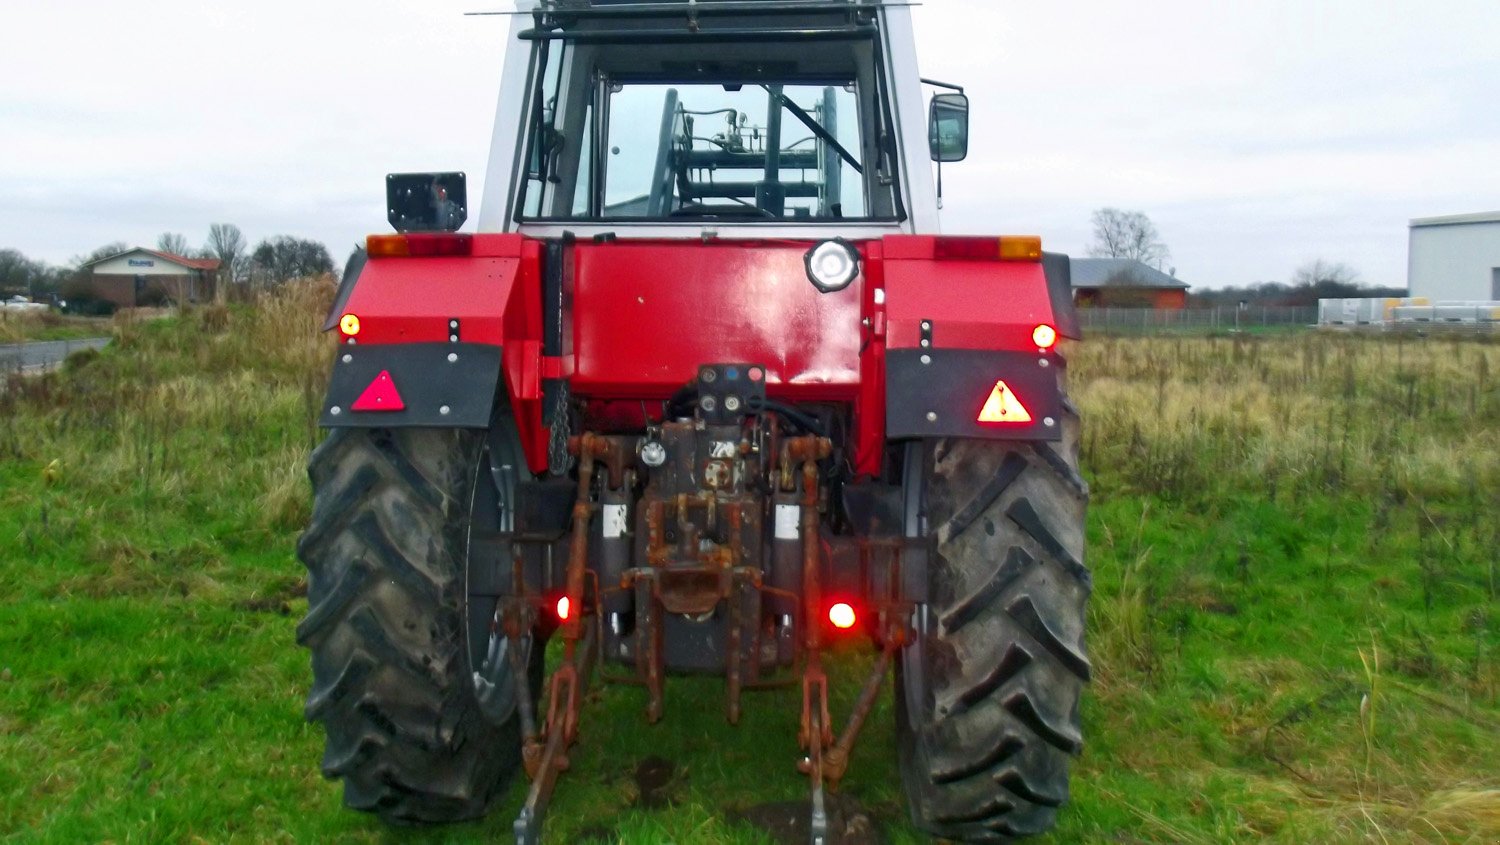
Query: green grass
[1295, 623]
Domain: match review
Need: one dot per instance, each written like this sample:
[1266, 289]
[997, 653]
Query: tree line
[1131, 235]
[271, 262]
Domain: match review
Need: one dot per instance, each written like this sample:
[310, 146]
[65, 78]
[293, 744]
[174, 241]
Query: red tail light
[842, 616]
[1022, 248]
[967, 249]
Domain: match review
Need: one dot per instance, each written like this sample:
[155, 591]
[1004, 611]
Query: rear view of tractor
[705, 391]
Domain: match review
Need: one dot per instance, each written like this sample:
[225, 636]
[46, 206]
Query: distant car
[21, 303]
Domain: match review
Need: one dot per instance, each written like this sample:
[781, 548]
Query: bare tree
[172, 244]
[1321, 273]
[1127, 234]
[227, 243]
[283, 258]
[19, 274]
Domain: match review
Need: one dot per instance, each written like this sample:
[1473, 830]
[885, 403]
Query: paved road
[34, 357]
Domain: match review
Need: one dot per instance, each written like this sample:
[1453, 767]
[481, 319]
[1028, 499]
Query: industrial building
[1456, 258]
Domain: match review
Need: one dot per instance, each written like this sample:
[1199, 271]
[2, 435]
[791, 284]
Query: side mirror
[948, 127]
[426, 202]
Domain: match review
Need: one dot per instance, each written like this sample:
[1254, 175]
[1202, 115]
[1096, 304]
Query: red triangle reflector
[381, 395]
[1003, 407]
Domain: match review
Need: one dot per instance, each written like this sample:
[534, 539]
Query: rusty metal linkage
[732, 658]
[836, 762]
[692, 557]
[648, 638]
[814, 734]
[544, 748]
[550, 759]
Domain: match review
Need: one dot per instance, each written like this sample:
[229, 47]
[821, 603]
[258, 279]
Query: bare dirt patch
[849, 823]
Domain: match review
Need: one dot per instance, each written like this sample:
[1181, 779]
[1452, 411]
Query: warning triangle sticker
[381, 395]
[1003, 407]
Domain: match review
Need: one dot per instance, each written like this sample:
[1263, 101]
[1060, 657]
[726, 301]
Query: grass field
[18, 327]
[1295, 625]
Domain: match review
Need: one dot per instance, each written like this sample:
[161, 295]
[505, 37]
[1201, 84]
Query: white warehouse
[1456, 258]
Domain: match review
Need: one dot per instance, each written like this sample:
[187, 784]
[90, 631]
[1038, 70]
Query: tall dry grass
[1299, 415]
[194, 405]
[22, 326]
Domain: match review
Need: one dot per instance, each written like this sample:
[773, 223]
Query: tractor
[705, 391]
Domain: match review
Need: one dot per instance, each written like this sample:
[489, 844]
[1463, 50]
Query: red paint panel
[411, 300]
[646, 314]
[972, 304]
[869, 408]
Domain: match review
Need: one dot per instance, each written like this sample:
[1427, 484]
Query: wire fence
[1196, 320]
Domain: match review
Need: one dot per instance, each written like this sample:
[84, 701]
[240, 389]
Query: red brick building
[147, 277]
[1125, 283]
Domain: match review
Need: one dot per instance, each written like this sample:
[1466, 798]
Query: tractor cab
[759, 113]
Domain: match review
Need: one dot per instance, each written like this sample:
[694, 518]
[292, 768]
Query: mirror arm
[950, 86]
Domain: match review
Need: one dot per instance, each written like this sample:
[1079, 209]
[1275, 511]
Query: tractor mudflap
[412, 385]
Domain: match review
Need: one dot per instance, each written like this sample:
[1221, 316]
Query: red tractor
[706, 390]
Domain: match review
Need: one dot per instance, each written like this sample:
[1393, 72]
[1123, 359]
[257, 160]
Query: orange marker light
[1023, 248]
[564, 607]
[387, 246]
[1044, 336]
[842, 616]
[349, 325]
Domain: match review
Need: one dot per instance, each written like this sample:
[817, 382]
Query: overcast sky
[1257, 135]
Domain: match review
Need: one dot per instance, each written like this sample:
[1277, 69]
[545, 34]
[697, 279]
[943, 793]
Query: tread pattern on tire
[385, 554]
[987, 758]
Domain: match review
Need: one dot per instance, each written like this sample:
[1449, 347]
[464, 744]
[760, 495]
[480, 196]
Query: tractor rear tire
[988, 695]
[393, 684]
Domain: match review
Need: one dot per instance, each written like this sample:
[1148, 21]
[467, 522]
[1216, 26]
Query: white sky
[1257, 135]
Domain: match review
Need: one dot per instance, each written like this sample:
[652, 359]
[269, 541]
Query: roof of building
[180, 260]
[1121, 273]
[1457, 219]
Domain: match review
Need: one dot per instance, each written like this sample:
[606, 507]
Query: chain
[558, 459]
